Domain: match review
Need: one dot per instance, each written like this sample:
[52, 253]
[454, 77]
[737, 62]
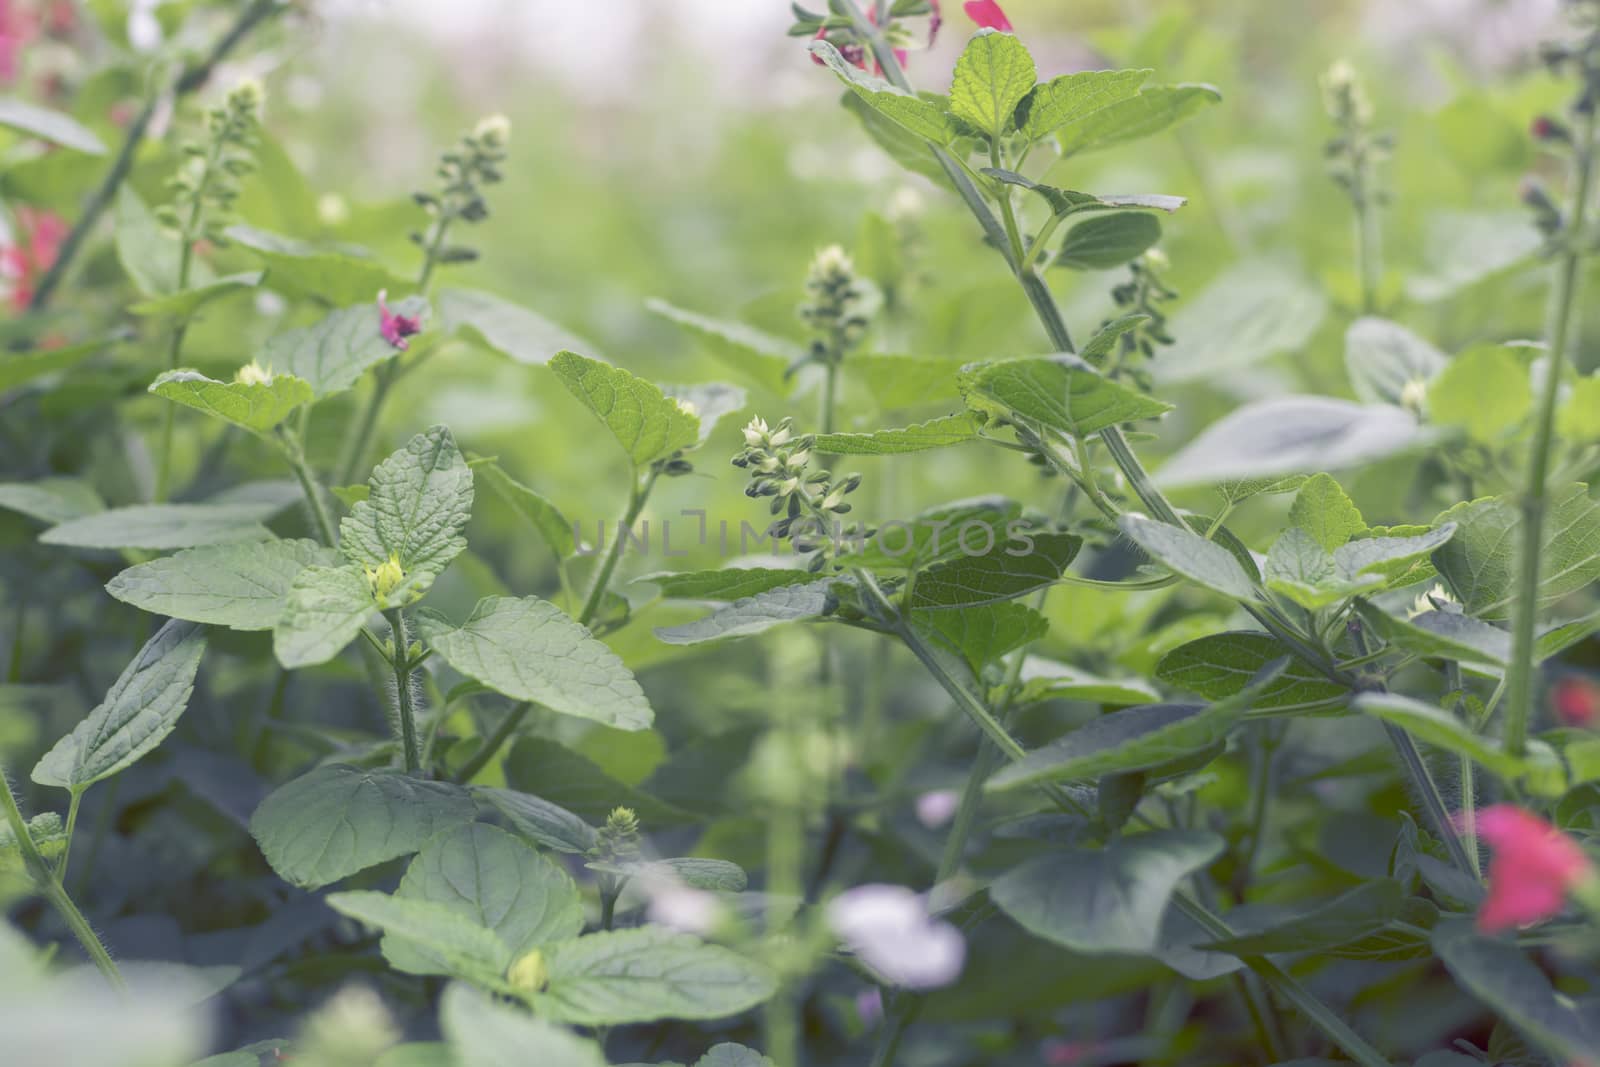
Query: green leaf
[1133, 739]
[324, 611]
[51, 500]
[1383, 358]
[993, 75]
[1484, 391]
[544, 516]
[930, 536]
[253, 406]
[496, 882]
[756, 614]
[708, 402]
[761, 358]
[1305, 572]
[1393, 557]
[1107, 242]
[647, 423]
[713, 876]
[1046, 679]
[1064, 202]
[1480, 561]
[731, 1055]
[510, 329]
[56, 127]
[338, 819]
[183, 304]
[240, 586]
[20, 368]
[904, 147]
[1220, 665]
[421, 930]
[529, 649]
[648, 973]
[1188, 554]
[1005, 569]
[914, 114]
[1463, 248]
[1434, 726]
[421, 499]
[983, 633]
[333, 353]
[1579, 416]
[333, 278]
[158, 527]
[486, 1033]
[1349, 917]
[1446, 634]
[730, 583]
[935, 433]
[1106, 900]
[1291, 435]
[1504, 979]
[1149, 112]
[897, 382]
[1061, 393]
[537, 819]
[139, 710]
[1071, 97]
[573, 781]
[1247, 314]
[1323, 510]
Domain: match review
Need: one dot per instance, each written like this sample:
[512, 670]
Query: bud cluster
[618, 839]
[1354, 151]
[808, 502]
[1142, 294]
[463, 172]
[206, 185]
[837, 306]
[384, 579]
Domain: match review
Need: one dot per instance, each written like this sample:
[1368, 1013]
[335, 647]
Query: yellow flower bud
[528, 972]
[253, 373]
[385, 578]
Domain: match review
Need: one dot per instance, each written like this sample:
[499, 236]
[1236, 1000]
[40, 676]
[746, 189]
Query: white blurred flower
[889, 928]
[938, 807]
[144, 29]
[680, 907]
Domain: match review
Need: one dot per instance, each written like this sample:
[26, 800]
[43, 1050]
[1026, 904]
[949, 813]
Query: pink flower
[869, 1007]
[1576, 700]
[1059, 1052]
[394, 326]
[987, 13]
[1534, 867]
[17, 28]
[32, 252]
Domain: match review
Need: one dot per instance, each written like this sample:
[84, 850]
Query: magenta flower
[17, 28]
[394, 326]
[987, 13]
[1577, 701]
[1535, 865]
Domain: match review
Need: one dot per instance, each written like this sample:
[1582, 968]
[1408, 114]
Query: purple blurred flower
[938, 807]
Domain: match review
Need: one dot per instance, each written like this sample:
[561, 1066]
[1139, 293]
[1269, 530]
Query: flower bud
[253, 373]
[529, 973]
[385, 578]
[494, 131]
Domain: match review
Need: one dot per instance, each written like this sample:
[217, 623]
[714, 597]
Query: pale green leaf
[139, 710]
[51, 500]
[756, 614]
[336, 278]
[540, 821]
[1188, 554]
[1048, 679]
[906, 381]
[761, 358]
[1148, 112]
[648, 973]
[426, 931]
[57, 127]
[935, 433]
[529, 649]
[147, 252]
[1447, 634]
[1061, 393]
[334, 352]
[158, 527]
[323, 611]
[730, 583]
[645, 421]
[1579, 416]
[253, 406]
[20, 368]
[1383, 358]
[1462, 248]
[421, 499]
[1247, 314]
[1325, 511]
[186, 302]
[983, 633]
[1107, 242]
[544, 516]
[337, 820]
[510, 329]
[993, 75]
[241, 586]
[1070, 97]
[1480, 561]
[487, 1033]
[1484, 391]
[1432, 725]
[910, 112]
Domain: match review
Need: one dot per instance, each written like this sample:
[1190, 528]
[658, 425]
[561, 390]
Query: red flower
[987, 13]
[1576, 700]
[17, 28]
[396, 327]
[32, 252]
[1534, 867]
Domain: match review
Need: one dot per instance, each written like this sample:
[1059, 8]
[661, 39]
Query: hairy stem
[50, 886]
[1563, 308]
[311, 489]
[404, 705]
[191, 79]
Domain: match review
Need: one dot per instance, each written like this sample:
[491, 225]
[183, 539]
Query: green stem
[310, 488]
[404, 706]
[619, 537]
[73, 805]
[191, 79]
[49, 885]
[1563, 307]
[491, 744]
[186, 242]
